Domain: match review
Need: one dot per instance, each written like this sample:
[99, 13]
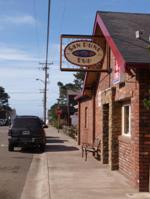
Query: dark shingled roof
[122, 27]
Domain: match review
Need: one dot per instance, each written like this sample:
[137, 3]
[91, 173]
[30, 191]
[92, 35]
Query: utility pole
[45, 93]
[45, 81]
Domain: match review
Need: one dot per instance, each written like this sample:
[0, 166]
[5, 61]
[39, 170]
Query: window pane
[86, 117]
[126, 119]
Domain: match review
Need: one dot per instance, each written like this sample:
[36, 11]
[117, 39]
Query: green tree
[146, 101]
[79, 79]
[63, 88]
[52, 112]
[63, 91]
[53, 116]
[4, 105]
[76, 85]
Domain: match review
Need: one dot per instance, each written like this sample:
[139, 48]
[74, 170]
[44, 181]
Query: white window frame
[123, 120]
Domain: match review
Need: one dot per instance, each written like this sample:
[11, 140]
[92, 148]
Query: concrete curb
[140, 195]
[37, 185]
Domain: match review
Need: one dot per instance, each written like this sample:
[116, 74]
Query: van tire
[10, 147]
[42, 148]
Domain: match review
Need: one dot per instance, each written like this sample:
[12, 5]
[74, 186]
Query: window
[126, 120]
[86, 117]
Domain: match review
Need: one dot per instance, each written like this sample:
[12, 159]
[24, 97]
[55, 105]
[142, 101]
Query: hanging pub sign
[83, 53]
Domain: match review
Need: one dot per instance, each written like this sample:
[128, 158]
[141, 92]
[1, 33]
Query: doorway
[105, 134]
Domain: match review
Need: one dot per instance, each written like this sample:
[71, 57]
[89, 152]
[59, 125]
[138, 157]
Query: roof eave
[138, 65]
[109, 39]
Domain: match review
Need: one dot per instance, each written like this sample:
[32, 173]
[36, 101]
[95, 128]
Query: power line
[46, 62]
[48, 30]
[24, 100]
[21, 92]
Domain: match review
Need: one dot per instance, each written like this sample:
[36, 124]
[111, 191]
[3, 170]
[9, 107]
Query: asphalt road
[14, 167]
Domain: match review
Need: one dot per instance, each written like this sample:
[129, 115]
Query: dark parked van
[27, 131]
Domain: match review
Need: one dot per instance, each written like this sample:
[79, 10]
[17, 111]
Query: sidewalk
[70, 177]
[61, 173]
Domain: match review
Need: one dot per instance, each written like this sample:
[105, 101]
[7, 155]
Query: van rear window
[27, 122]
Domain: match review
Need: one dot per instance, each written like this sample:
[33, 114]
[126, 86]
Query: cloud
[15, 54]
[11, 53]
[12, 58]
[18, 20]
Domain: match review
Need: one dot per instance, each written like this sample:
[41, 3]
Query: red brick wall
[86, 133]
[134, 152]
[128, 146]
[130, 154]
[125, 156]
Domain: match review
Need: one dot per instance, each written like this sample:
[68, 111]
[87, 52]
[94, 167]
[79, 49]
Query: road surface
[14, 167]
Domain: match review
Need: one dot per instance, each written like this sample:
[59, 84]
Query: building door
[105, 136]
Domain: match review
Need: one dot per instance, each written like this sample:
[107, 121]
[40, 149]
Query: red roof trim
[116, 52]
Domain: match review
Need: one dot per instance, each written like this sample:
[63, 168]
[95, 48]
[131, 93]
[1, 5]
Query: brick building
[111, 105]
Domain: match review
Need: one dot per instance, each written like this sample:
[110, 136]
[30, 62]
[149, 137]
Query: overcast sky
[23, 43]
